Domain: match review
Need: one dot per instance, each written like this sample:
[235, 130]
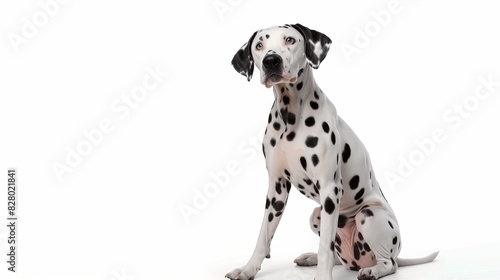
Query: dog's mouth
[275, 78]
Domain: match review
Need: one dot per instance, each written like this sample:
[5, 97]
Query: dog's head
[280, 52]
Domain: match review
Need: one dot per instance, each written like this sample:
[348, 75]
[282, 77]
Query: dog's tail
[415, 261]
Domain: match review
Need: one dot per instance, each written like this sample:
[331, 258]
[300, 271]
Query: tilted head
[280, 52]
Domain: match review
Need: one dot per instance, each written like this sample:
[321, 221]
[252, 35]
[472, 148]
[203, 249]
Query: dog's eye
[289, 40]
[259, 46]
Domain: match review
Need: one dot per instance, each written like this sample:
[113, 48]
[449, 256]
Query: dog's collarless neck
[292, 99]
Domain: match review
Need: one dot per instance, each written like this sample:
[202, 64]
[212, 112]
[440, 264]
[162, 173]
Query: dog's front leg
[276, 199]
[330, 195]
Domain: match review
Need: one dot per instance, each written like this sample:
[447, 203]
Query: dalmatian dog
[309, 146]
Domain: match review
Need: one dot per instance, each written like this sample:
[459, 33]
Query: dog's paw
[243, 273]
[366, 274]
[307, 259]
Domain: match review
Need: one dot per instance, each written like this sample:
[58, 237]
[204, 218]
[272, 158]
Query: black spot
[390, 224]
[394, 240]
[303, 162]
[302, 192]
[267, 36]
[329, 206]
[316, 189]
[276, 125]
[286, 100]
[342, 221]
[358, 202]
[288, 186]
[290, 118]
[270, 118]
[315, 159]
[263, 150]
[284, 114]
[310, 121]
[360, 245]
[287, 173]
[314, 105]
[299, 86]
[338, 240]
[277, 186]
[311, 141]
[261, 39]
[316, 95]
[393, 262]
[356, 252]
[333, 142]
[300, 186]
[290, 136]
[308, 181]
[300, 72]
[332, 246]
[278, 205]
[278, 214]
[267, 202]
[366, 247]
[354, 182]
[367, 212]
[326, 127]
[359, 194]
[360, 236]
[273, 142]
[338, 248]
[362, 222]
[270, 217]
[336, 190]
[282, 89]
[346, 153]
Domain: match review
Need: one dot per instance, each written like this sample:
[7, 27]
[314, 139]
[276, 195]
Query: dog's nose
[272, 62]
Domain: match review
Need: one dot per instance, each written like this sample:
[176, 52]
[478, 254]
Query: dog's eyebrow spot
[267, 36]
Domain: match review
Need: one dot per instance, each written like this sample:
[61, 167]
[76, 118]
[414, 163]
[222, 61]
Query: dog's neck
[295, 97]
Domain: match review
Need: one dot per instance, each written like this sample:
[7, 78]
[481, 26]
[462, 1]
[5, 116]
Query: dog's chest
[299, 148]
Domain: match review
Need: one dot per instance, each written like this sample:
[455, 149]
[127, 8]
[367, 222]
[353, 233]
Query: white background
[117, 214]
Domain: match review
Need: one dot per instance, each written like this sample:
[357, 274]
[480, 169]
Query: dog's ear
[243, 59]
[316, 43]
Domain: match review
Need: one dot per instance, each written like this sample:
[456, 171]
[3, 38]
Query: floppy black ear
[243, 59]
[316, 43]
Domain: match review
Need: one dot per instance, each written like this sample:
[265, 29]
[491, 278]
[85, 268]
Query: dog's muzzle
[273, 65]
